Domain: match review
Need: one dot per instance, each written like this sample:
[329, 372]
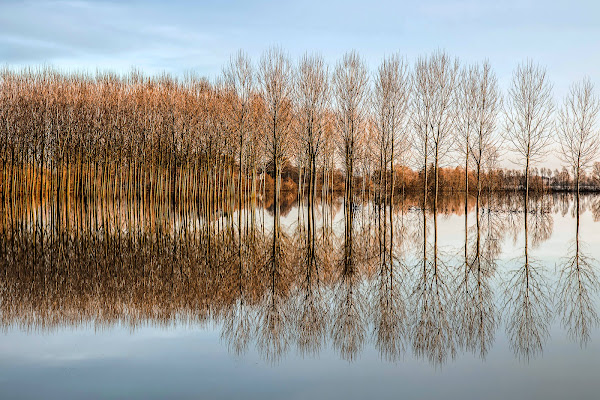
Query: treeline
[278, 125]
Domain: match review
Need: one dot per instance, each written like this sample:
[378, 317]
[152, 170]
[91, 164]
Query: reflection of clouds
[68, 346]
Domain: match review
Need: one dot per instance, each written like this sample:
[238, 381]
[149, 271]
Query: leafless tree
[390, 107]
[434, 110]
[350, 81]
[466, 102]
[351, 91]
[485, 139]
[528, 115]
[577, 131]
[312, 91]
[391, 100]
[239, 79]
[422, 118]
[275, 78]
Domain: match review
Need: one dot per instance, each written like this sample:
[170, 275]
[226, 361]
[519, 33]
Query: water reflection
[339, 277]
[527, 295]
[430, 329]
[577, 286]
[475, 311]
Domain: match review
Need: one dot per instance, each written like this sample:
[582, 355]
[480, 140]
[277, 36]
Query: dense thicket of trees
[279, 126]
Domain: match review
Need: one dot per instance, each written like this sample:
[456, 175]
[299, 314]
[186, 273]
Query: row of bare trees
[227, 143]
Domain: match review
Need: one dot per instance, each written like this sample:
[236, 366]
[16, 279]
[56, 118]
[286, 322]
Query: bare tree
[478, 102]
[312, 90]
[350, 81]
[485, 138]
[390, 106]
[391, 101]
[444, 72]
[434, 110]
[239, 79]
[577, 133]
[466, 100]
[422, 118]
[578, 282]
[528, 114]
[275, 78]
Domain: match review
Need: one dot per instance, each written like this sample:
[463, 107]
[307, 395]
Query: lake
[131, 300]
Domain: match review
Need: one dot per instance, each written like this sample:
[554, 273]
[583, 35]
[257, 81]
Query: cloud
[178, 35]
[87, 34]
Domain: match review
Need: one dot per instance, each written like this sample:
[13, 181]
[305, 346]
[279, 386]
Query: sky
[177, 36]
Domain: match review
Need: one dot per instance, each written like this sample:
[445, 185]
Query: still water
[136, 301]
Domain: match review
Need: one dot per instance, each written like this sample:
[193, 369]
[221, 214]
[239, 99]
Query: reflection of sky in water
[194, 362]
[189, 363]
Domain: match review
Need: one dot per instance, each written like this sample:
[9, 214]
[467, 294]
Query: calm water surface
[122, 301]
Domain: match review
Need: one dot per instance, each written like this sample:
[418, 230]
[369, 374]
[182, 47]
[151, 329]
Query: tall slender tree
[391, 100]
[275, 79]
[528, 116]
[312, 90]
[239, 79]
[577, 130]
[485, 137]
[351, 90]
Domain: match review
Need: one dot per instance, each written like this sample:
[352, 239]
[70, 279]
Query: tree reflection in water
[527, 294]
[577, 287]
[382, 279]
[475, 312]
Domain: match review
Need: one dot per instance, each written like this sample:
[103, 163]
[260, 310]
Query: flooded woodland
[288, 224]
[432, 284]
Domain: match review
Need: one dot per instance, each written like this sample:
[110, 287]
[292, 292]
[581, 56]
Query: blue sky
[178, 36]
